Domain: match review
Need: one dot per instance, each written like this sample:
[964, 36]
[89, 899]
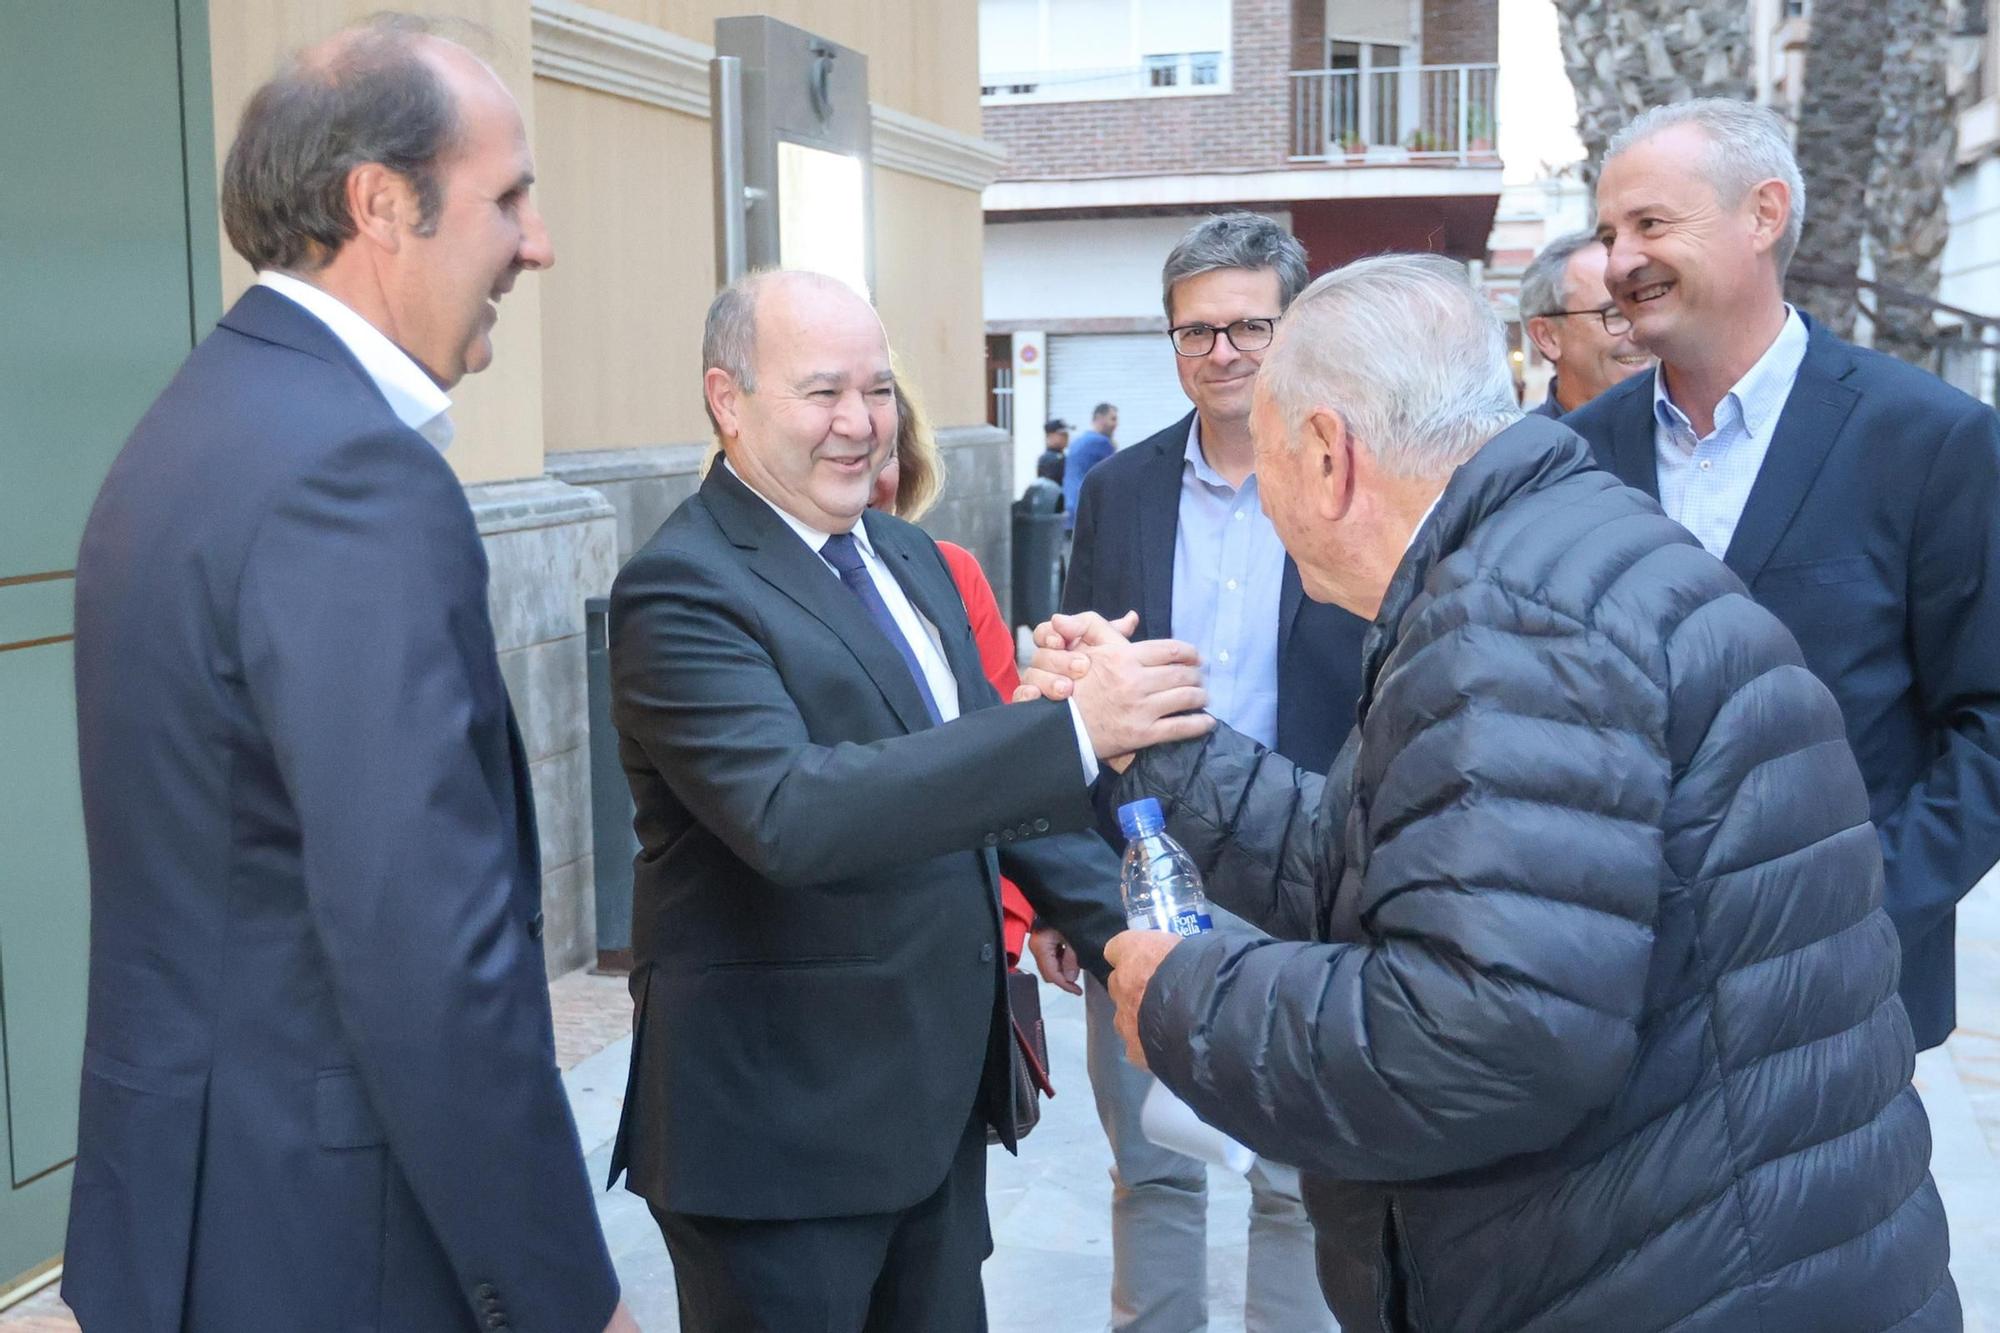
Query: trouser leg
[1159, 1198]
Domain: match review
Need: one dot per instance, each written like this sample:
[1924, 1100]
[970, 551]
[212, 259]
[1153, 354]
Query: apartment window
[1088, 50]
[1795, 9]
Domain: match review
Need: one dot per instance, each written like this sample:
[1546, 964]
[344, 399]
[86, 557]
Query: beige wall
[928, 243]
[625, 189]
[923, 56]
[498, 414]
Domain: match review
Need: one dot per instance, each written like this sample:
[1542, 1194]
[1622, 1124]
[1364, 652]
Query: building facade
[585, 435]
[1362, 125]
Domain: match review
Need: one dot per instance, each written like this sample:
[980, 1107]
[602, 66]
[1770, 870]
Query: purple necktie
[844, 554]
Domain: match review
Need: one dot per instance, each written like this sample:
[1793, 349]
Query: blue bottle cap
[1141, 818]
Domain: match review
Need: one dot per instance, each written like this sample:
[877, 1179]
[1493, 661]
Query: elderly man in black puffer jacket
[1582, 1009]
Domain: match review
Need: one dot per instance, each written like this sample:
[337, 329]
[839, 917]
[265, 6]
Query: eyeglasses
[1245, 335]
[1613, 319]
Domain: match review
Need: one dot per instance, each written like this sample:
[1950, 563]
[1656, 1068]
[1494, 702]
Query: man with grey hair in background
[1581, 1013]
[319, 1081]
[1173, 528]
[1575, 326]
[1857, 497]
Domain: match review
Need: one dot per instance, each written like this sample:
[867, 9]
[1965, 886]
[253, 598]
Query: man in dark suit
[1857, 497]
[319, 1084]
[1173, 528]
[825, 802]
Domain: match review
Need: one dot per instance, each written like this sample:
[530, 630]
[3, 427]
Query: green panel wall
[108, 270]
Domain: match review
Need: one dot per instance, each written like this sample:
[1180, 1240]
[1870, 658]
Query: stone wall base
[550, 545]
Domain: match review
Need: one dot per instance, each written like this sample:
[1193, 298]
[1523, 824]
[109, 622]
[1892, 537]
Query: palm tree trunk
[1836, 149]
[1916, 150]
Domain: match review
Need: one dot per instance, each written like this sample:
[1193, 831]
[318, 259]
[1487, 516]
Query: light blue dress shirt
[1705, 482]
[1229, 574]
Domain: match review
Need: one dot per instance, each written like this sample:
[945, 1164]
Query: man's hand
[1134, 956]
[1136, 695]
[1054, 959]
[622, 1321]
[1058, 660]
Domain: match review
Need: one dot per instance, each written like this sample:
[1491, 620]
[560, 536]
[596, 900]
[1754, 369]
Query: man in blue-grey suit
[1174, 528]
[319, 1083]
[1857, 497]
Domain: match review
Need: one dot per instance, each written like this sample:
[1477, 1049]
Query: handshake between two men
[1129, 696]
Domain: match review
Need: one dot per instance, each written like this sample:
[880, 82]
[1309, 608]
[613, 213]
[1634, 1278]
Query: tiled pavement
[1051, 1266]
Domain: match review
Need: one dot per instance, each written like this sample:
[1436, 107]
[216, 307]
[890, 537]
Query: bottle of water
[1162, 891]
[1161, 887]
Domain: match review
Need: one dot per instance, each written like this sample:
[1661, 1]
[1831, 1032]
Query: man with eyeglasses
[1173, 528]
[1575, 325]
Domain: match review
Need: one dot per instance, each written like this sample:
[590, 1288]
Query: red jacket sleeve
[996, 658]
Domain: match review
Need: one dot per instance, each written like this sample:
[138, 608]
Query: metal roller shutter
[1134, 371]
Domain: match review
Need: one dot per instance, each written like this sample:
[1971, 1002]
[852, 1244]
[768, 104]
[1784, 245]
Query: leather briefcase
[1029, 1055]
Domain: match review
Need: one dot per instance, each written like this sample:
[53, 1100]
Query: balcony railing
[1405, 113]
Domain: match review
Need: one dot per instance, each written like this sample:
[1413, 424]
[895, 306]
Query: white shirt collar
[412, 395]
[1760, 395]
[813, 537]
[1432, 509]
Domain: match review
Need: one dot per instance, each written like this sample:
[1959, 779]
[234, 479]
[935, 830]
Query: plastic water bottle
[1161, 887]
[1162, 891]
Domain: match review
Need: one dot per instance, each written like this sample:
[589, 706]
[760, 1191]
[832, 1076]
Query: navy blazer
[1873, 532]
[319, 1081]
[1123, 560]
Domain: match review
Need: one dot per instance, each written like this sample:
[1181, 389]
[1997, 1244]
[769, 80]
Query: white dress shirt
[412, 394]
[1704, 483]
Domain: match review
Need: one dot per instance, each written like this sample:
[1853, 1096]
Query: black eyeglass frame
[1605, 314]
[1228, 331]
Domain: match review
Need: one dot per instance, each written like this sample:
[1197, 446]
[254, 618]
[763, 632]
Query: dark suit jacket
[1123, 560]
[1873, 532]
[319, 1083]
[816, 919]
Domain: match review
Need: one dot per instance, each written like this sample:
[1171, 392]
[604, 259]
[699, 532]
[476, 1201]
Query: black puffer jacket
[1599, 1027]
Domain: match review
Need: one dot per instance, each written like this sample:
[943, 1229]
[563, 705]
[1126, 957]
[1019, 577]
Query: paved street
[1051, 1268]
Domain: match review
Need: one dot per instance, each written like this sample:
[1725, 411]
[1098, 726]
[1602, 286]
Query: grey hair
[1406, 351]
[1748, 145]
[369, 96]
[1543, 289]
[1236, 240]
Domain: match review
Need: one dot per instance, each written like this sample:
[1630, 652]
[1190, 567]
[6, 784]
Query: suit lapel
[1634, 458]
[781, 559]
[1159, 525]
[1813, 416]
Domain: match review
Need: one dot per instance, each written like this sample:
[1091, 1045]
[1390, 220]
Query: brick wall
[1245, 128]
[1461, 32]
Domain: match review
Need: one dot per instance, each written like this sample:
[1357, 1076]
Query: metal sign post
[793, 153]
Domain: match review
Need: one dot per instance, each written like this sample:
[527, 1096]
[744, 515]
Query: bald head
[796, 378]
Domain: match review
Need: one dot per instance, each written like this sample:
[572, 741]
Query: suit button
[985, 953]
[992, 840]
[1006, 835]
[496, 1320]
[535, 926]
[1041, 826]
[485, 1291]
